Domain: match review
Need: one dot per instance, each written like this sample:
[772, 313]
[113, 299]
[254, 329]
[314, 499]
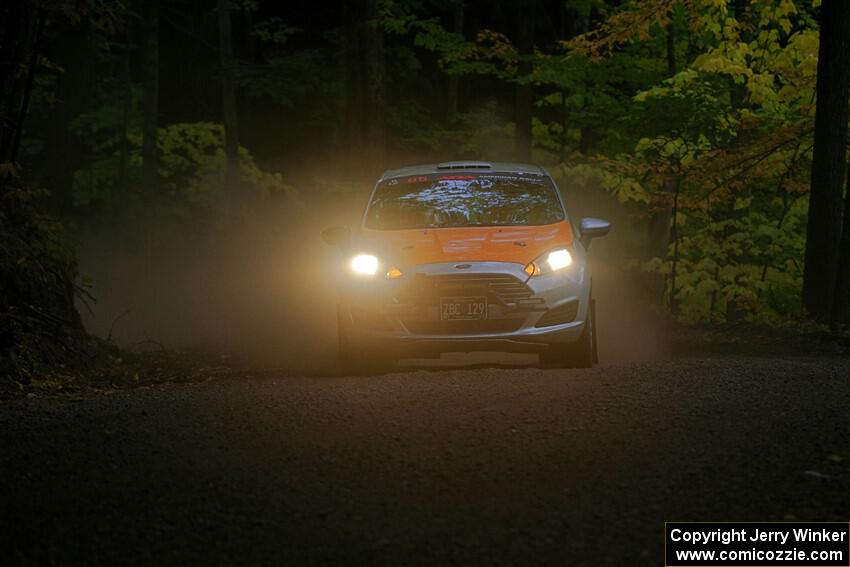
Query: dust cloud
[631, 326]
[264, 288]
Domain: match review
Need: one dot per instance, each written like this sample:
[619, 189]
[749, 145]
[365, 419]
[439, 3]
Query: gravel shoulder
[498, 466]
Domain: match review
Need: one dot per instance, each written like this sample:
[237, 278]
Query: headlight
[558, 259]
[550, 262]
[364, 264]
[368, 265]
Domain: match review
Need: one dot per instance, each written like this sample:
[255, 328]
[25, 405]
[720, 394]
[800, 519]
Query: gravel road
[469, 466]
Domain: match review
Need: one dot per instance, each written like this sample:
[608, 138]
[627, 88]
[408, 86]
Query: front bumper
[524, 314]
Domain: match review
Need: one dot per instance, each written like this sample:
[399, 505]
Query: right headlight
[552, 261]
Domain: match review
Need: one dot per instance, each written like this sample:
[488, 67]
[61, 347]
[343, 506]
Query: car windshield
[439, 201]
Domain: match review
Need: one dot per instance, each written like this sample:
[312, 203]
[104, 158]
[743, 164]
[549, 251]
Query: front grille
[559, 315]
[425, 327]
[502, 289]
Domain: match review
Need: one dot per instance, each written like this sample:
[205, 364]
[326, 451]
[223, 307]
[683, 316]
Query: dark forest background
[201, 145]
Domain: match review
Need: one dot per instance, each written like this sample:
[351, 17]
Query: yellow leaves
[635, 21]
[656, 265]
[775, 16]
[643, 144]
[762, 87]
[710, 16]
[498, 43]
[767, 39]
[675, 85]
[712, 7]
[639, 19]
[490, 49]
[716, 61]
[796, 68]
[777, 72]
[644, 95]
[744, 203]
[670, 150]
[629, 190]
[786, 8]
[806, 43]
[614, 176]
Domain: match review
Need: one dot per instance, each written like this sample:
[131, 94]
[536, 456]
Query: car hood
[518, 244]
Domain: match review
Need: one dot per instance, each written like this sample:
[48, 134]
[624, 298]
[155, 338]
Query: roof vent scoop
[464, 165]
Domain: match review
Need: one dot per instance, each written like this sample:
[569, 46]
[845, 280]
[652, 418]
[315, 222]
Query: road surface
[490, 466]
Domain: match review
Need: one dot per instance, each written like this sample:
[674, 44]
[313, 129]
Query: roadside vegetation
[719, 126]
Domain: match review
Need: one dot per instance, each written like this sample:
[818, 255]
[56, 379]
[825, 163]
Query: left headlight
[368, 265]
[552, 261]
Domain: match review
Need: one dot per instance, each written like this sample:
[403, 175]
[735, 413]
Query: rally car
[466, 256]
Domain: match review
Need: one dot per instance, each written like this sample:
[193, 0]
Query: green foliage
[292, 78]
[38, 271]
[191, 165]
[736, 169]
[484, 133]
[722, 131]
[191, 169]
[104, 17]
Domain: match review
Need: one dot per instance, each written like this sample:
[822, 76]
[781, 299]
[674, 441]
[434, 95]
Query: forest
[717, 128]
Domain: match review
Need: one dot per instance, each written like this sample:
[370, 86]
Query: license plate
[463, 308]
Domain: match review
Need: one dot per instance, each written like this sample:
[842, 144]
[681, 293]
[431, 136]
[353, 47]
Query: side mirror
[336, 235]
[592, 228]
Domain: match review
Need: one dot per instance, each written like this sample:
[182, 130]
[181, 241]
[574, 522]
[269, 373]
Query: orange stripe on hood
[519, 244]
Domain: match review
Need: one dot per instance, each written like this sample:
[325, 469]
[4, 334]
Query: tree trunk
[150, 174]
[352, 130]
[228, 98]
[841, 309]
[37, 272]
[586, 134]
[524, 91]
[20, 30]
[738, 91]
[671, 50]
[565, 33]
[674, 236]
[14, 18]
[126, 103]
[737, 98]
[660, 230]
[829, 160]
[659, 236]
[374, 89]
[27, 87]
[454, 80]
[64, 150]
